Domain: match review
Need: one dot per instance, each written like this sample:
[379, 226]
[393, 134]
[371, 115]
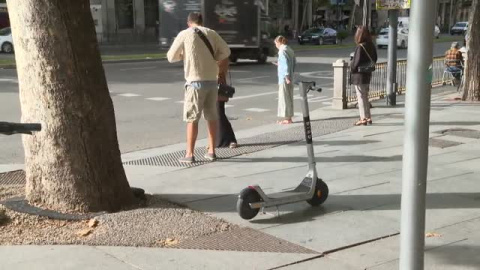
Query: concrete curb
[106, 62]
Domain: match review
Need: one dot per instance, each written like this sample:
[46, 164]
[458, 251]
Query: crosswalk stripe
[158, 98]
[128, 95]
[256, 110]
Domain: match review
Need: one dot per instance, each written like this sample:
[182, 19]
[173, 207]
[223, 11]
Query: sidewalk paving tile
[148, 258]
[58, 257]
[349, 227]
[321, 263]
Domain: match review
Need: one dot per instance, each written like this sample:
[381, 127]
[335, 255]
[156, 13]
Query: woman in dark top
[225, 134]
[365, 54]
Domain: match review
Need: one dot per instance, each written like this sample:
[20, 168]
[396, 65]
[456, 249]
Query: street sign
[393, 4]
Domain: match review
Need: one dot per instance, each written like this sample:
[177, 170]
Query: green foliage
[342, 34]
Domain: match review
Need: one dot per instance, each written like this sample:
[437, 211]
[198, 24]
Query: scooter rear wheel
[321, 194]
[246, 197]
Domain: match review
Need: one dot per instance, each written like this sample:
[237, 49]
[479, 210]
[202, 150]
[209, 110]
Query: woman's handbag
[369, 67]
[226, 90]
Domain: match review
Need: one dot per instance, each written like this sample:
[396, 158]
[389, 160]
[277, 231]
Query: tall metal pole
[450, 21]
[417, 117]
[392, 58]
[365, 12]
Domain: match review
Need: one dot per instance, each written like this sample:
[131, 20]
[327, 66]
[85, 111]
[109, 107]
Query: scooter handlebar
[19, 128]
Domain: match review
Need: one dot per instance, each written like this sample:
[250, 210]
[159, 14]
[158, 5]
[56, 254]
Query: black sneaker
[187, 159]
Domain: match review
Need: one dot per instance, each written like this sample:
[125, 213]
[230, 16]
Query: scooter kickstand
[263, 209]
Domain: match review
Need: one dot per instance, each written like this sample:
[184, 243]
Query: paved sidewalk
[356, 228]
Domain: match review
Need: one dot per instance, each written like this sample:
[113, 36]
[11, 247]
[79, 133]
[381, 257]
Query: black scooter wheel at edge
[246, 197]
[321, 194]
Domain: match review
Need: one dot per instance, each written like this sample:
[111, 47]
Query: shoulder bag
[223, 89]
[369, 67]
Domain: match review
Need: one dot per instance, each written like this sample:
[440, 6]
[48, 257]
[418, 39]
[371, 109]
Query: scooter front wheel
[321, 194]
[246, 197]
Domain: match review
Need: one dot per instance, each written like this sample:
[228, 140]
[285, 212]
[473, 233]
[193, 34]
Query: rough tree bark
[73, 164]
[471, 88]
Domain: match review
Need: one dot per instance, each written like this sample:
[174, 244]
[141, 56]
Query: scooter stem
[303, 87]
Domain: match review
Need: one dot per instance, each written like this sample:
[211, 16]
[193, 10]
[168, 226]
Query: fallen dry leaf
[249, 118]
[428, 235]
[171, 242]
[168, 242]
[84, 232]
[92, 223]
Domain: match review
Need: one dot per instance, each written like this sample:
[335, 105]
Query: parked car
[6, 41]
[402, 38]
[318, 36]
[460, 28]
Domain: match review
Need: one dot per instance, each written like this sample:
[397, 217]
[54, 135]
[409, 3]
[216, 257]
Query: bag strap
[205, 40]
[210, 48]
[367, 54]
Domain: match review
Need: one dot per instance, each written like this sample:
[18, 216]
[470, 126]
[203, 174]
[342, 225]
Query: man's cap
[455, 45]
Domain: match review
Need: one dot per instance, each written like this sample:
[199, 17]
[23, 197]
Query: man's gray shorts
[200, 97]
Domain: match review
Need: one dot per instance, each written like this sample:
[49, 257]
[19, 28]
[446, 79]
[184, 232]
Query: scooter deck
[300, 190]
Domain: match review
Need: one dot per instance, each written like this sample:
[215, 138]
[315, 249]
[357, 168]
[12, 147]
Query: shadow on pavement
[350, 158]
[464, 123]
[455, 255]
[301, 143]
[336, 203]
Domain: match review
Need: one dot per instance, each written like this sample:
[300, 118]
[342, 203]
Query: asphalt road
[148, 98]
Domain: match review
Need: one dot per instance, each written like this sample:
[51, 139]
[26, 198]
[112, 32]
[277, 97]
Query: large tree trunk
[73, 164]
[471, 90]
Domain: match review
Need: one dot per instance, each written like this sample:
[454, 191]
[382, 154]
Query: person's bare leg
[212, 133]
[192, 133]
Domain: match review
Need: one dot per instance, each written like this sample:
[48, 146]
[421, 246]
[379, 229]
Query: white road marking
[327, 103]
[158, 98]
[139, 68]
[240, 71]
[229, 106]
[318, 75]
[255, 95]
[9, 80]
[256, 110]
[129, 95]
[320, 100]
[298, 97]
[252, 78]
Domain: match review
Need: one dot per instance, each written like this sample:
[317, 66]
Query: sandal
[285, 122]
[369, 121]
[233, 145]
[361, 123]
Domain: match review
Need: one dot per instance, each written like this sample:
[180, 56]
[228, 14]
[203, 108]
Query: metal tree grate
[243, 239]
[248, 145]
[439, 143]
[13, 178]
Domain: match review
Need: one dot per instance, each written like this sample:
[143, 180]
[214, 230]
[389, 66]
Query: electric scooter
[312, 189]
